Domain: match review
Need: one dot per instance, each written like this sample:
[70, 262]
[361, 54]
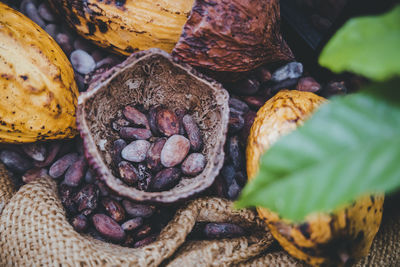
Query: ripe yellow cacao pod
[38, 90]
[322, 239]
[220, 35]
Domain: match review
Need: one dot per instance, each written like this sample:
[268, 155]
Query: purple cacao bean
[180, 113]
[165, 179]
[308, 84]
[53, 150]
[152, 119]
[61, 165]
[236, 155]
[255, 102]
[135, 116]
[87, 199]
[35, 151]
[223, 230]
[33, 174]
[118, 146]
[76, 172]
[132, 224]
[114, 209]
[137, 210]
[134, 133]
[153, 157]
[193, 164]
[108, 227]
[193, 132]
[167, 122]
[248, 122]
[143, 232]
[174, 151]
[236, 122]
[80, 223]
[144, 242]
[67, 196]
[128, 173]
[238, 105]
[263, 74]
[14, 161]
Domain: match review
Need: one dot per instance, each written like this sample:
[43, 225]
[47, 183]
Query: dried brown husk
[152, 78]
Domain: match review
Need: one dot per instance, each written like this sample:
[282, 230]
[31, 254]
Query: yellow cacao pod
[322, 239]
[38, 90]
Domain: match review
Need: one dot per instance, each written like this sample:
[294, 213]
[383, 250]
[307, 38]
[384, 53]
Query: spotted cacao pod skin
[322, 239]
[127, 26]
[39, 93]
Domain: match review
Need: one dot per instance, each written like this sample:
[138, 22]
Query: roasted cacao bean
[61, 165]
[114, 209]
[108, 227]
[167, 122]
[153, 157]
[87, 198]
[135, 116]
[128, 173]
[137, 210]
[165, 179]
[76, 172]
[134, 133]
[193, 132]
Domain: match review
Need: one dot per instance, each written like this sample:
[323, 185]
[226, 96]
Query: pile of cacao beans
[159, 146]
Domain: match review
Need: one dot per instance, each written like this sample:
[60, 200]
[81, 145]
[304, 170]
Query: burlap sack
[35, 232]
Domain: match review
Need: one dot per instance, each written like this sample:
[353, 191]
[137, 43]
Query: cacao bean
[53, 150]
[136, 151]
[335, 88]
[152, 119]
[128, 173]
[80, 223]
[33, 174]
[247, 86]
[119, 123]
[52, 30]
[255, 102]
[65, 43]
[129, 240]
[248, 122]
[153, 157]
[165, 179]
[193, 132]
[67, 196]
[135, 116]
[292, 70]
[180, 113]
[61, 165]
[144, 242]
[174, 151]
[137, 210]
[285, 84]
[132, 224]
[167, 122]
[82, 62]
[235, 153]
[193, 164]
[263, 74]
[223, 230]
[36, 151]
[95, 234]
[143, 232]
[233, 190]
[118, 146]
[87, 198]
[89, 177]
[238, 105]
[103, 189]
[134, 133]
[45, 13]
[114, 209]
[144, 177]
[308, 84]
[75, 173]
[236, 122]
[33, 14]
[14, 161]
[108, 227]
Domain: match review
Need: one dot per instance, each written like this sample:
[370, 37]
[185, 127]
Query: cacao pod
[220, 35]
[39, 93]
[323, 239]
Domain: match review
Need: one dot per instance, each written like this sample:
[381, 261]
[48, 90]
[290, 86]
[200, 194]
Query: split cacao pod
[323, 239]
[38, 90]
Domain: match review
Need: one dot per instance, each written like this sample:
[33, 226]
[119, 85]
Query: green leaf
[369, 46]
[350, 146]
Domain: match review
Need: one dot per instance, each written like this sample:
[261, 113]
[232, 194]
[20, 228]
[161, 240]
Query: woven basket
[35, 232]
